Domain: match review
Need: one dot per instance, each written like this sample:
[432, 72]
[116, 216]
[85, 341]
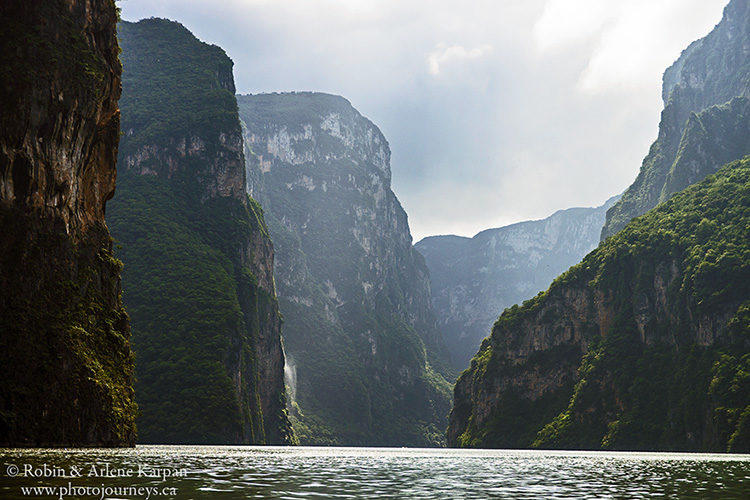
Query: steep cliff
[474, 278]
[643, 345]
[711, 72]
[66, 367]
[198, 269]
[363, 349]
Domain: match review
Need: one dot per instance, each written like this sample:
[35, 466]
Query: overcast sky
[496, 111]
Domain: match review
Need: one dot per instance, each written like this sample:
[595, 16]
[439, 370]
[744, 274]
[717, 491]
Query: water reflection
[187, 472]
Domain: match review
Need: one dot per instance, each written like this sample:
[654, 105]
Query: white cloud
[567, 22]
[644, 38]
[445, 54]
[627, 44]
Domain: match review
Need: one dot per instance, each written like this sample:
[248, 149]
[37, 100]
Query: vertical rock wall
[66, 368]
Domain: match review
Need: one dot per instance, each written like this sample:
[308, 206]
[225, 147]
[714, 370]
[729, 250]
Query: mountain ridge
[474, 278]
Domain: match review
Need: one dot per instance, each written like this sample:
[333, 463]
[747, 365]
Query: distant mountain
[644, 345]
[473, 279]
[705, 122]
[198, 275]
[366, 363]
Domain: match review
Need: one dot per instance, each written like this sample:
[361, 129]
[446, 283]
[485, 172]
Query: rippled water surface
[302, 472]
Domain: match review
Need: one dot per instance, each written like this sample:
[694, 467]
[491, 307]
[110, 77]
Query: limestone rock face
[66, 368]
[198, 260]
[363, 348]
[473, 279]
[697, 91]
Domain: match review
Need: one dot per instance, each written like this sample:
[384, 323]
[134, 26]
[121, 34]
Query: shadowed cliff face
[65, 360]
[640, 346]
[363, 346]
[709, 74]
[60, 121]
[198, 260]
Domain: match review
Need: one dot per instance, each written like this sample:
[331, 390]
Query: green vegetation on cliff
[647, 339]
[65, 358]
[184, 86]
[197, 274]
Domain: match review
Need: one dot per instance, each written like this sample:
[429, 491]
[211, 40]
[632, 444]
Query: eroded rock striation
[364, 354]
[66, 367]
[198, 270]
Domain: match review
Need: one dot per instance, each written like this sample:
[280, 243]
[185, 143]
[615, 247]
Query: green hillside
[642, 346]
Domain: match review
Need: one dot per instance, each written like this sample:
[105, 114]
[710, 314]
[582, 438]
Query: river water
[226, 472]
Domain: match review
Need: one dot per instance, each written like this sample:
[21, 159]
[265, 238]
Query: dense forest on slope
[704, 123]
[198, 262]
[643, 345]
[66, 368]
[366, 361]
[474, 278]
